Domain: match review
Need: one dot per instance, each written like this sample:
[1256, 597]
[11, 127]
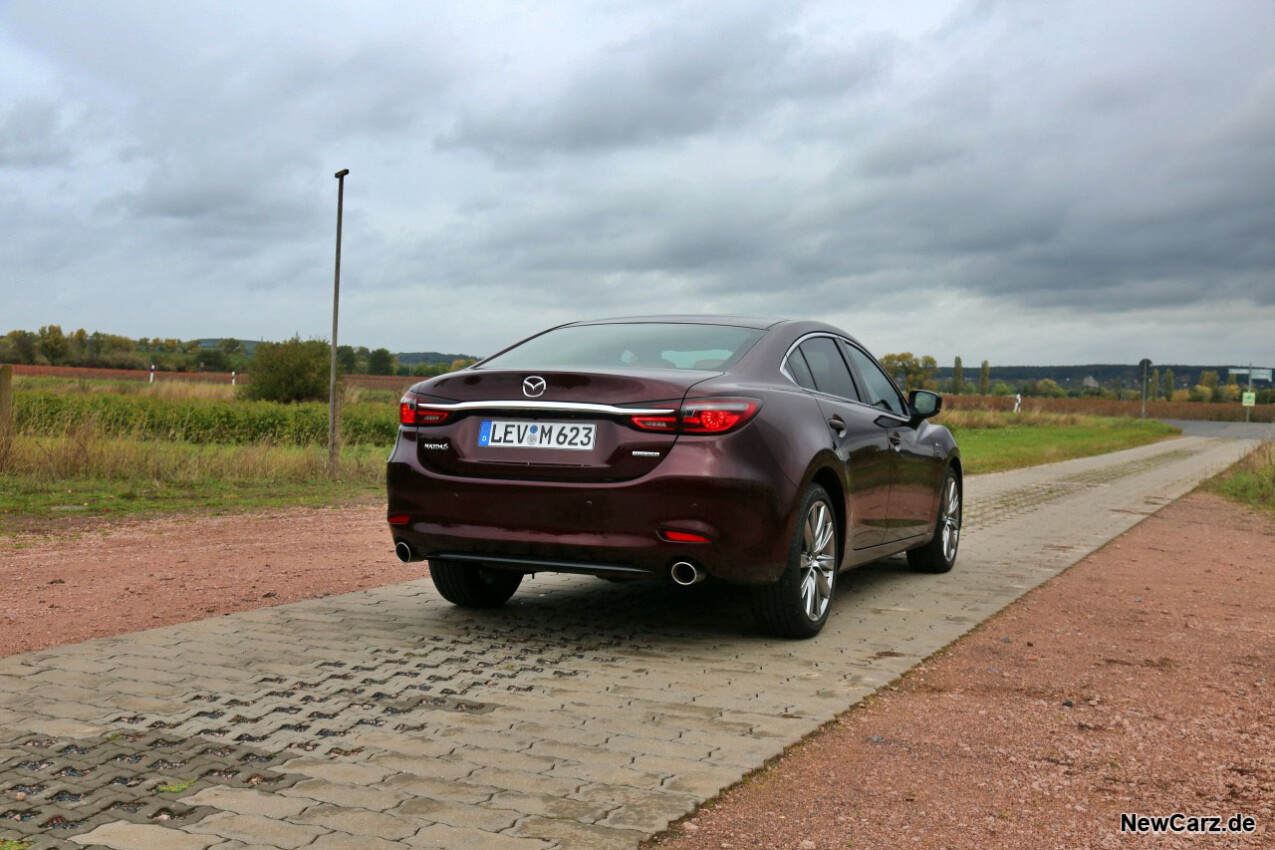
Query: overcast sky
[1023, 182]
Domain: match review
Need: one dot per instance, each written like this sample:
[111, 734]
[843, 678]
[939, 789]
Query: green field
[996, 442]
[89, 452]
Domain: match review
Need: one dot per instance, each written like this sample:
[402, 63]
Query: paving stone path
[584, 714]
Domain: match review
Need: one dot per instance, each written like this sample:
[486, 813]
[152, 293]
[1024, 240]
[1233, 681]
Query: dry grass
[167, 390]
[980, 419]
[350, 392]
[1252, 480]
[83, 453]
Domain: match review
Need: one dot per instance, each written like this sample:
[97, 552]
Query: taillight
[717, 416]
[411, 412]
[702, 416]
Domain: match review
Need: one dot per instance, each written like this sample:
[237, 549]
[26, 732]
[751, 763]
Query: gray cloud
[915, 169]
[31, 136]
[688, 76]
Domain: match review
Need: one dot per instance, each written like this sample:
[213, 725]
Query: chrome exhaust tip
[404, 552]
[684, 573]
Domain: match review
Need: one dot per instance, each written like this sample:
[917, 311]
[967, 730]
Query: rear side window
[800, 371]
[880, 390]
[829, 370]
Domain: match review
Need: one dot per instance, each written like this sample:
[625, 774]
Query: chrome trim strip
[549, 406]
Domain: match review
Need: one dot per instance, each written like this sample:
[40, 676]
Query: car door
[818, 365]
[915, 471]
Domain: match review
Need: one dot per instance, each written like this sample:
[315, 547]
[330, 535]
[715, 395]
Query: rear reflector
[682, 536]
[656, 423]
[400, 519]
[409, 413]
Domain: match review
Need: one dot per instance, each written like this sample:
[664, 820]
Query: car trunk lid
[549, 425]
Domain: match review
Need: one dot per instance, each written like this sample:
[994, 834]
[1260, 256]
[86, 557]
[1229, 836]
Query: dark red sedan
[770, 453]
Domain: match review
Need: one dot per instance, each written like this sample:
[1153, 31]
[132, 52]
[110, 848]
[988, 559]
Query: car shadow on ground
[645, 612]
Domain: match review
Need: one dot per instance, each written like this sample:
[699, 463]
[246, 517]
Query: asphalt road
[1225, 430]
[584, 714]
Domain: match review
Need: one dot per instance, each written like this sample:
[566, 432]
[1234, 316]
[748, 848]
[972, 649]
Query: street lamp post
[333, 414]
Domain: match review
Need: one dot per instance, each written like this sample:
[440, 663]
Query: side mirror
[924, 404]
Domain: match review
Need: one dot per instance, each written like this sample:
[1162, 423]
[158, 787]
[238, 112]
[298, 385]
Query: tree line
[913, 372]
[51, 346]
[298, 369]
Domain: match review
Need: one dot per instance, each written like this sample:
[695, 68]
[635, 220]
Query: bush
[290, 371]
[1200, 392]
[1227, 393]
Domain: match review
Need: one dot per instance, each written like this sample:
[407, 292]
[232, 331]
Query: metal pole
[333, 423]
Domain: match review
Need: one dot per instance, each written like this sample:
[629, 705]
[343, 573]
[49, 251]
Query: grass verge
[86, 472]
[90, 475]
[994, 441]
[1251, 481]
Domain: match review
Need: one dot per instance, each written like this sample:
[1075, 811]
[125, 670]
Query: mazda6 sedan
[768, 453]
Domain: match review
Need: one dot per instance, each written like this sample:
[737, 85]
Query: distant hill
[411, 358]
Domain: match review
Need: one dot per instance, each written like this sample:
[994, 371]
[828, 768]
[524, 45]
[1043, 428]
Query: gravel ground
[1140, 681]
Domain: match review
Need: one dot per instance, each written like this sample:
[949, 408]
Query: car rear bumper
[744, 508]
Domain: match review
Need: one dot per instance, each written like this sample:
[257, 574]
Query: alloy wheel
[818, 559]
[950, 532]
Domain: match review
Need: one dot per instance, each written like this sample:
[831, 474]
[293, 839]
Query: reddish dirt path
[1141, 680]
[113, 578]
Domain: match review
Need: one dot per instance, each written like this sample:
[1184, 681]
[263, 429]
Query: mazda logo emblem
[533, 386]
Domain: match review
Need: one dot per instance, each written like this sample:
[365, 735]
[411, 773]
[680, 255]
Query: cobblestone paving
[584, 714]
[1032, 496]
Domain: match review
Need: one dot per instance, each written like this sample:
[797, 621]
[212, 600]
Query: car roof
[754, 322]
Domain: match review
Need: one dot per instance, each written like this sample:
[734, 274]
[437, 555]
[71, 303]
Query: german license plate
[499, 433]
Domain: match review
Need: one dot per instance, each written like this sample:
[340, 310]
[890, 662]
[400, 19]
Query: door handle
[896, 439]
[837, 424]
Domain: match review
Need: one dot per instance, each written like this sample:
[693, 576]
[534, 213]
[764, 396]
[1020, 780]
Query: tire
[472, 586]
[797, 605]
[939, 554]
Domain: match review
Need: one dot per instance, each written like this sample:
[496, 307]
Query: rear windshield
[644, 345]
